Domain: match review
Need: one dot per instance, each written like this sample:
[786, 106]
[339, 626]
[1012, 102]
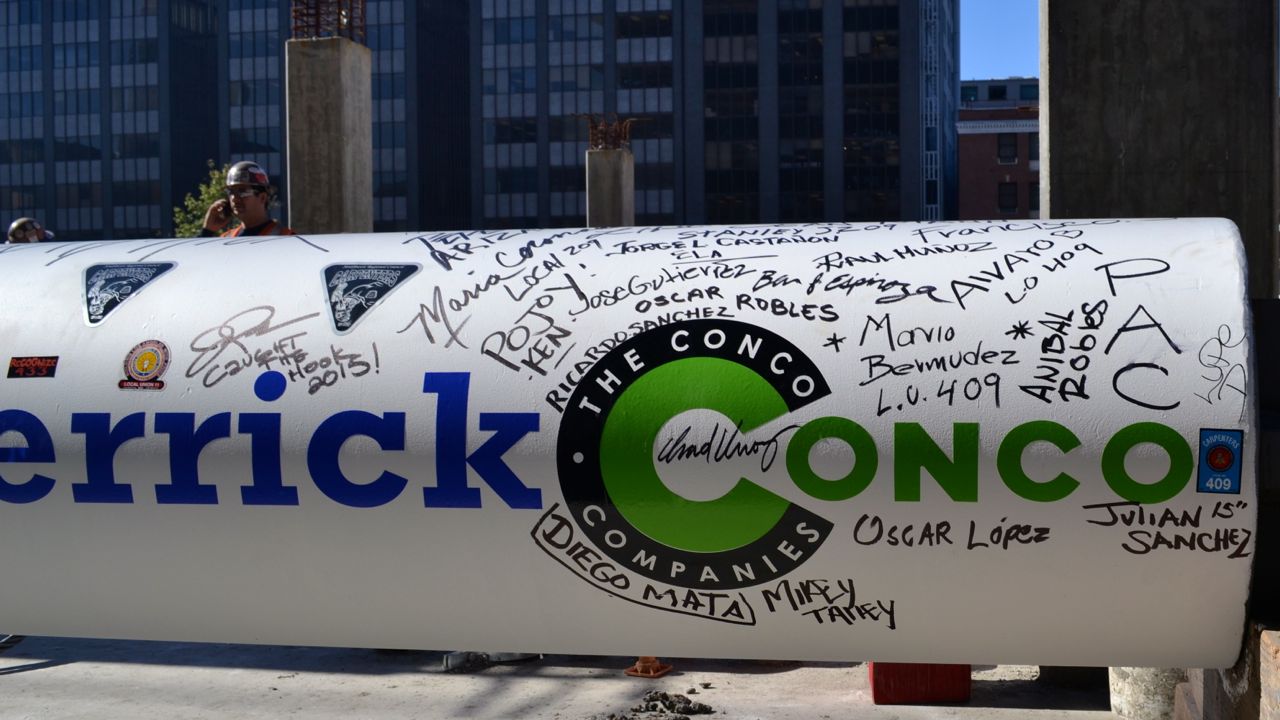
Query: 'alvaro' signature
[210, 345]
[724, 444]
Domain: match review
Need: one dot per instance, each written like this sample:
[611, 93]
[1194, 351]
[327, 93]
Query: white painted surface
[523, 317]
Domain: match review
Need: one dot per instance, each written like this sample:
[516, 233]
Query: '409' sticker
[1220, 460]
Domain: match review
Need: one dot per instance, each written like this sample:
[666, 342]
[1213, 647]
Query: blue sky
[999, 38]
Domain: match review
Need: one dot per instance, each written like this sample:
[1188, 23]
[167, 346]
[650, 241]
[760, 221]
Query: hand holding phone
[218, 215]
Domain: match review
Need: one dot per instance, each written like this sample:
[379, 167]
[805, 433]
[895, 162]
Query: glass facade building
[23, 112]
[438, 111]
[742, 110]
[252, 104]
[113, 109]
[745, 110]
[76, 127]
[575, 85]
[386, 39]
[100, 120]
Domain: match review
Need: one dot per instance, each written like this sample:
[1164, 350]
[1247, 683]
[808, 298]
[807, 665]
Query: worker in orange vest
[249, 193]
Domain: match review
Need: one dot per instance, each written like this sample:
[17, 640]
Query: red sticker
[1220, 458]
[33, 367]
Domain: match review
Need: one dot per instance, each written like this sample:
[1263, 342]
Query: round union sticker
[144, 365]
[1221, 458]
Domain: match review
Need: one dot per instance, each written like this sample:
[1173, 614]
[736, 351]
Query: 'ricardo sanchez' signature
[211, 345]
[724, 444]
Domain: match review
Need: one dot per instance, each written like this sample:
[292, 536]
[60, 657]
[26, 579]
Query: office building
[114, 107]
[101, 127]
[251, 109]
[745, 111]
[999, 156]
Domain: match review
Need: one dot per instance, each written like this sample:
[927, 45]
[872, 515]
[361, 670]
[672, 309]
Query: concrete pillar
[1144, 693]
[611, 188]
[1161, 109]
[1268, 679]
[1235, 693]
[1158, 110]
[330, 130]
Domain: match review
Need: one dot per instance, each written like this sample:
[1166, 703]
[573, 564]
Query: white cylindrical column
[1005, 442]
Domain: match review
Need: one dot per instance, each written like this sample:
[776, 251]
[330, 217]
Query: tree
[188, 220]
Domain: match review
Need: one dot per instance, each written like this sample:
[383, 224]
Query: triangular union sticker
[353, 290]
[106, 287]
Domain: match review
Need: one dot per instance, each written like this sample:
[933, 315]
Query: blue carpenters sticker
[1220, 459]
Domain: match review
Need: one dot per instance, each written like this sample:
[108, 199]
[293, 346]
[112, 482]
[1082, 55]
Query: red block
[918, 684]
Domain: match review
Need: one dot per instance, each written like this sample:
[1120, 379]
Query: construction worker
[28, 230]
[249, 193]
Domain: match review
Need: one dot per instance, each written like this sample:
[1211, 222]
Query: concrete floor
[62, 678]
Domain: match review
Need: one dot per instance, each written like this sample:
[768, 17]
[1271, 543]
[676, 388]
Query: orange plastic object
[648, 666]
[917, 684]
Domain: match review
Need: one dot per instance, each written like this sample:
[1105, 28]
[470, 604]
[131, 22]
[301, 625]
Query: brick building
[999, 149]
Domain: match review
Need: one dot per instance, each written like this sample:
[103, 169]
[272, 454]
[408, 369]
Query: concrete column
[1235, 693]
[611, 188]
[1158, 110]
[1163, 109]
[1268, 673]
[330, 130]
[1144, 693]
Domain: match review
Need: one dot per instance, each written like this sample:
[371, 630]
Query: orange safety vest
[272, 228]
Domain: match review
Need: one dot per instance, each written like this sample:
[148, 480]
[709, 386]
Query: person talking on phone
[249, 193]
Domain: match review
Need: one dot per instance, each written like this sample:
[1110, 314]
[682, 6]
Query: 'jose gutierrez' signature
[211, 344]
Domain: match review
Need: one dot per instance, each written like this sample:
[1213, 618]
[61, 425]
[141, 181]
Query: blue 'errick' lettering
[39, 449]
[187, 440]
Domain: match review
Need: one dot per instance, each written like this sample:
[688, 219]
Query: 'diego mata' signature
[1224, 376]
[221, 350]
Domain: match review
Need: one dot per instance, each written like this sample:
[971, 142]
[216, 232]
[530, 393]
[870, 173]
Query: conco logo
[747, 536]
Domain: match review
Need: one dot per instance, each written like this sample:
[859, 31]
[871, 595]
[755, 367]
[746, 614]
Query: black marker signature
[210, 345]
[1224, 374]
[723, 445]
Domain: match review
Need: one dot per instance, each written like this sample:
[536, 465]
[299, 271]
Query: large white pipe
[1026, 441]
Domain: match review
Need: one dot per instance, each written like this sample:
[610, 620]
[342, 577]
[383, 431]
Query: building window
[1033, 196]
[968, 93]
[1007, 148]
[1029, 92]
[930, 192]
[1033, 146]
[1007, 197]
[997, 92]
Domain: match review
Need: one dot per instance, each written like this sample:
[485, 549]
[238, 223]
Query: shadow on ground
[1035, 695]
[45, 652]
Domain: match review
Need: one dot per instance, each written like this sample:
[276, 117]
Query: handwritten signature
[221, 351]
[438, 313]
[1224, 375]
[724, 444]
